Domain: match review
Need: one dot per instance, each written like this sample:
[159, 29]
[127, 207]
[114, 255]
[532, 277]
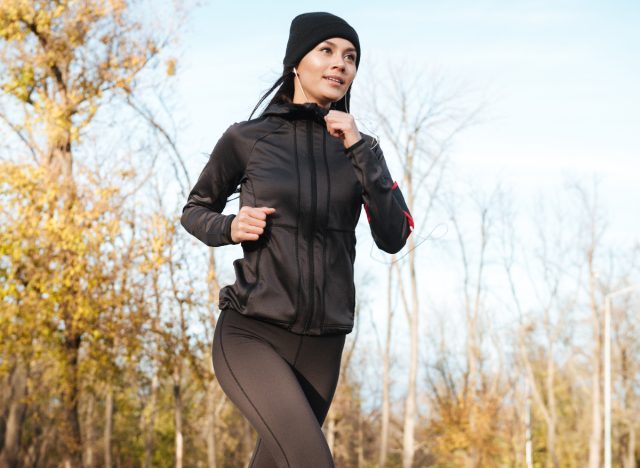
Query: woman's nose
[339, 61]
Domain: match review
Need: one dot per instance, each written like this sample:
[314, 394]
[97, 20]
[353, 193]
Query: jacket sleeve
[389, 218]
[202, 215]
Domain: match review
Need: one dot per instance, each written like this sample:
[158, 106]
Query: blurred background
[505, 333]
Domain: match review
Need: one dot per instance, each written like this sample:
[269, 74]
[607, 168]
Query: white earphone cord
[295, 72]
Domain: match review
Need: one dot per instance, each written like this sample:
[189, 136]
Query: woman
[305, 171]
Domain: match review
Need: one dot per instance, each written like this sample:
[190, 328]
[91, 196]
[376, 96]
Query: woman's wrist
[351, 139]
[232, 229]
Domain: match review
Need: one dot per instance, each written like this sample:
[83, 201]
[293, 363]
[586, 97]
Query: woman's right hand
[249, 223]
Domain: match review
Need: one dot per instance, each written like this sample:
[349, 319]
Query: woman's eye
[350, 57]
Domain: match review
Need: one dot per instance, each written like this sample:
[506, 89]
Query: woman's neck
[299, 97]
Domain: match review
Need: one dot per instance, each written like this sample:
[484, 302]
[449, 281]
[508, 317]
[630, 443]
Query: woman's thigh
[317, 369]
[316, 365]
[262, 383]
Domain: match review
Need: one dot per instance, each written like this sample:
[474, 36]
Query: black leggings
[283, 383]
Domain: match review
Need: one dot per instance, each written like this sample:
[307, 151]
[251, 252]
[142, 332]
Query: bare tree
[419, 120]
[593, 228]
[552, 244]
[474, 260]
[386, 379]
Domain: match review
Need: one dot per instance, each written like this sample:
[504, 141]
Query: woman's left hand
[342, 125]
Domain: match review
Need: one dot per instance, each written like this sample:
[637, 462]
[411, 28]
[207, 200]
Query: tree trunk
[73, 438]
[552, 459]
[410, 407]
[627, 374]
[471, 397]
[595, 440]
[59, 158]
[532, 390]
[213, 285]
[177, 397]
[248, 438]
[10, 455]
[528, 451]
[108, 426]
[151, 422]
[211, 425]
[630, 456]
[47, 440]
[213, 293]
[89, 461]
[331, 430]
[384, 429]
[360, 439]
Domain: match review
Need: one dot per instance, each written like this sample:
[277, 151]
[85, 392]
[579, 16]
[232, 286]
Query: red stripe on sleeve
[366, 208]
[409, 218]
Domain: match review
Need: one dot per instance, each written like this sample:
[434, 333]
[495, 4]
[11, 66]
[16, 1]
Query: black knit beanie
[309, 29]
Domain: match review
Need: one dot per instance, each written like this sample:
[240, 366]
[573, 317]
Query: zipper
[325, 234]
[295, 151]
[314, 195]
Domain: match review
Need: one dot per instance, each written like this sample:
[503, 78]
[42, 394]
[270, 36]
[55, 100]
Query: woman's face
[326, 72]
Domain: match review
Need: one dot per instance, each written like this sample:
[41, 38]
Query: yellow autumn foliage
[61, 59]
[54, 258]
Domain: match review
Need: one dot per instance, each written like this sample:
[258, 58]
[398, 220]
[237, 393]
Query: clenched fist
[249, 223]
[342, 125]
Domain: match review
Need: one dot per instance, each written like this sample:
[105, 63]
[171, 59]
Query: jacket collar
[291, 111]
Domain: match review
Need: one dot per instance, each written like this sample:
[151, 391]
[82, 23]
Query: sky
[560, 79]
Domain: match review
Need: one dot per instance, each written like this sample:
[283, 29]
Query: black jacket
[299, 273]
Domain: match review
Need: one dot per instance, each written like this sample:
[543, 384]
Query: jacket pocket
[274, 297]
[339, 290]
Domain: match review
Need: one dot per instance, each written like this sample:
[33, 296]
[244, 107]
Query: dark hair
[284, 94]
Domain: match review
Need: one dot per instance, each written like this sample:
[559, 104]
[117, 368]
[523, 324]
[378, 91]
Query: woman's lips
[334, 81]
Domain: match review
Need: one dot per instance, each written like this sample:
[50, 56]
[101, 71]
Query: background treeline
[481, 344]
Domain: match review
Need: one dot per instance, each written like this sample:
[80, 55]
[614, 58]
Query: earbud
[295, 71]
